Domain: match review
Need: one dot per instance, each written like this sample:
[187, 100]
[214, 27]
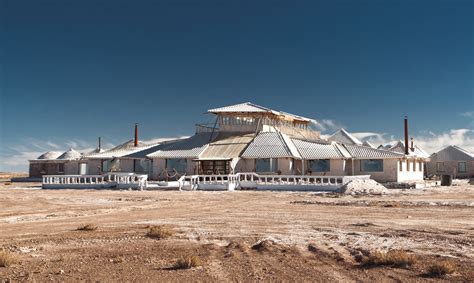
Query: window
[420, 165]
[105, 165]
[462, 167]
[82, 168]
[141, 165]
[400, 165]
[371, 165]
[176, 164]
[414, 165]
[320, 165]
[439, 166]
[266, 165]
[408, 165]
[60, 167]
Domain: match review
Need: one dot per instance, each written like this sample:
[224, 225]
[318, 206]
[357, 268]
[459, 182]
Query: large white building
[251, 138]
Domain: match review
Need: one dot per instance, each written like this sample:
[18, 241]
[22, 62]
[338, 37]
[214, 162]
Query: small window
[414, 165]
[266, 165]
[320, 165]
[60, 167]
[439, 166]
[400, 165]
[141, 165]
[462, 167]
[371, 165]
[105, 165]
[408, 165]
[83, 168]
[176, 164]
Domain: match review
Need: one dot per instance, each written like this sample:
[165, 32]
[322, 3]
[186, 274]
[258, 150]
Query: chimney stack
[99, 146]
[406, 135]
[412, 147]
[136, 134]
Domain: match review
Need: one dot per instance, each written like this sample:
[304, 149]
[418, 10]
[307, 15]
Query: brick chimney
[136, 134]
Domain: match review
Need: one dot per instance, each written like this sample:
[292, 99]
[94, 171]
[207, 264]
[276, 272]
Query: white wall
[409, 171]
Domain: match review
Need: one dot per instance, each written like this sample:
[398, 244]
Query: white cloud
[326, 126]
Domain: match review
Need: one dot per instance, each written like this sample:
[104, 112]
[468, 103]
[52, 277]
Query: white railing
[73, 179]
[194, 181]
[96, 181]
[290, 179]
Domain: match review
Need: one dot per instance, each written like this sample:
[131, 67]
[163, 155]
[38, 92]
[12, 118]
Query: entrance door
[210, 167]
[82, 168]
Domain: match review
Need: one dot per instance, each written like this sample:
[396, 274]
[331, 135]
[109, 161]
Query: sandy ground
[309, 236]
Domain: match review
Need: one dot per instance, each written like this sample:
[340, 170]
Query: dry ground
[307, 236]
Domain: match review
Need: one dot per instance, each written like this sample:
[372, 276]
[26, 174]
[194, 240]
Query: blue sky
[74, 70]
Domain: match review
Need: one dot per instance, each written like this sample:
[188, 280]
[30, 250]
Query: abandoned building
[452, 160]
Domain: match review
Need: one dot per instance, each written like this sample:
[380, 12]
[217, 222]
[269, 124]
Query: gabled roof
[268, 145]
[50, 155]
[71, 154]
[366, 143]
[190, 147]
[364, 152]
[317, 150]
[342, 136]
[123, 149]
[452, 153]
[400, 147]
[249, 107]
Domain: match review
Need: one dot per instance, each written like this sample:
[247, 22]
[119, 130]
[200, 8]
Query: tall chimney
[99, 146]
[136, 134]
[406, 135]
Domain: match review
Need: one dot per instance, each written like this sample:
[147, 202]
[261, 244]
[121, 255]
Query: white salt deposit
[363, 186]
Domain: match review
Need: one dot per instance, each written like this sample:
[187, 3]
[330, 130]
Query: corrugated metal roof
[344, 137]
[314, 150]
[452, 153]
[120, 150]
[226, 146]
[71, 154]
[249, 107]
[364, 152]
[267, 145]
[185, 148]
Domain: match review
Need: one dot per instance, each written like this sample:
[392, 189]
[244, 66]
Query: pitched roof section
[268, 145]
[344, 137]
[249, 107]
[314, 150]
[364, 152]
[400, 147]
[226, 146]
[452, 153]
[366, 143]
[71, 154]
[50, 155]
[126, 148]
[190, 147]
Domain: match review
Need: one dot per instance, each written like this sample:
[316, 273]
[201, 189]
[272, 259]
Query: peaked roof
[249, 107]
[268, 145]
[344, 137]
[400, 147]
[49, 155]
[366, 143]
[452, 153]
[70, 154]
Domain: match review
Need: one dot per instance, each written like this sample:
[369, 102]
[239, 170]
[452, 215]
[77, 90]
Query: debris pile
[363, 186]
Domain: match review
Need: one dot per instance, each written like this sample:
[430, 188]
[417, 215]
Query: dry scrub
[442, 268]
[188, 262]
[87, 227]
[395, 258]
[7, 259]
[160, 232]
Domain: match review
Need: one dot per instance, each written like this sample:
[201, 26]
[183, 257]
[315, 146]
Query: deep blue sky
[80, 69]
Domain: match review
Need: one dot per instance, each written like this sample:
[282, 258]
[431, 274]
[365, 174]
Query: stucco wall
[71, 167]
[410, 171]
[451, 168]
[93, 166]
[389, 174]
